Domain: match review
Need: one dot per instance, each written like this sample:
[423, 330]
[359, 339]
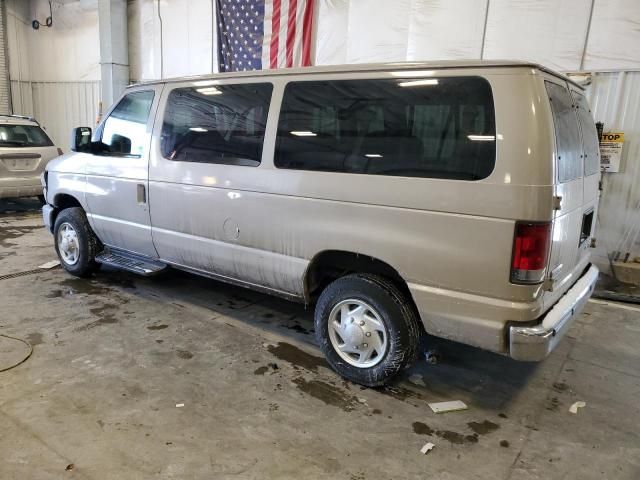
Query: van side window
[124, 131]
[590, 142]
[222, 124]
[567, 134]
[428, 127]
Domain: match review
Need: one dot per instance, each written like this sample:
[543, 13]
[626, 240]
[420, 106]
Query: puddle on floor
[482, 428]
[478, 428]
[327, 393]
[11, 233]
[297, 357]
[75, 286]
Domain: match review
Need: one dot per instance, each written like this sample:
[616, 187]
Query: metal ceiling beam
[114, 49]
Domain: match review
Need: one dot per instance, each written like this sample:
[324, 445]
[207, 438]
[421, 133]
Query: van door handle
[142, 193]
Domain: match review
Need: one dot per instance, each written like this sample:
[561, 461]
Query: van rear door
[591, 152]
[575, 181]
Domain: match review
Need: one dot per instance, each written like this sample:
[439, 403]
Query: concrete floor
[114, 356]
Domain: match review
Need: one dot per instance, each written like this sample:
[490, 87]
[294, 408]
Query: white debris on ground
[574, 408]
[49, 265]
[444, 407]
[427, 448]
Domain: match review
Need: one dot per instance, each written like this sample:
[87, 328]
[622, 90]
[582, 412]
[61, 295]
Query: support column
[114, 49]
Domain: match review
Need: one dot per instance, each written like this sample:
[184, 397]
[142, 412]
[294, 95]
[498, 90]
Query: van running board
[130, 262]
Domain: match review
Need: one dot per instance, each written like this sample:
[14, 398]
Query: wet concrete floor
[115, 357]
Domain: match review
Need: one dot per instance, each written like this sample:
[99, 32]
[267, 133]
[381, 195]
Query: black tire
[88, 243]
[398, 314]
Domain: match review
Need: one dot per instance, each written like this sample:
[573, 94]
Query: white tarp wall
[55, 72]
[615, 100]
[566, 35]
[171, 38]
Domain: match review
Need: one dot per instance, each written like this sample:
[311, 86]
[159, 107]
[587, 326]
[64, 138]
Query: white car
[25, 150]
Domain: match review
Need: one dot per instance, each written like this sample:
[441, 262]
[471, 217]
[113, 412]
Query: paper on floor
[49, 265]
[574, 408]
[444, 407]
[427, 448]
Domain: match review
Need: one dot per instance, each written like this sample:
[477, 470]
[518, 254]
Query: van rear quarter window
[222, 124]
[565, 122]
[589, 135]
[428, 127]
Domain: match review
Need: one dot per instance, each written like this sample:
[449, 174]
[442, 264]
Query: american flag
[262, 34]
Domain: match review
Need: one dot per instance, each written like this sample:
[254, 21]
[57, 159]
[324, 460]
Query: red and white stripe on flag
[287, 33]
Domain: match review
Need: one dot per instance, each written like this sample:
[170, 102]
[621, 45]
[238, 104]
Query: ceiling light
[208, 91]
[198, 129]
[373, 155]
[481, 138]
[418, 83]
[413, 73]
[303, 133]
[205, 83]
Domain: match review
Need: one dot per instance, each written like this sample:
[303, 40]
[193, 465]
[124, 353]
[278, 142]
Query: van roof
[370, 67]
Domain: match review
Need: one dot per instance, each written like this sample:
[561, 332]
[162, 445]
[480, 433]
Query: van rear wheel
[75, 242]
[367, 329]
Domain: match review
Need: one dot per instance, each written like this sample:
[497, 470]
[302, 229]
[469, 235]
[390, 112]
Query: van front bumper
[534, 343]
[47, 216]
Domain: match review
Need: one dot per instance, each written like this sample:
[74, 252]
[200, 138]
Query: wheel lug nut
[361, 323]
[365, 345]
[368, 334]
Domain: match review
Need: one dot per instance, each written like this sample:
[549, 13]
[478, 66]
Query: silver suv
[25, 150]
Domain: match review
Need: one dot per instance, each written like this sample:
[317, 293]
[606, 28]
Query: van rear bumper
[534, 343]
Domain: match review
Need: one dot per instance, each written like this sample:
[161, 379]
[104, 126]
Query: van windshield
[23, 136]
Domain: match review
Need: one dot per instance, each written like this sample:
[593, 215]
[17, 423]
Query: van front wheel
[75, 242]
[366, 328]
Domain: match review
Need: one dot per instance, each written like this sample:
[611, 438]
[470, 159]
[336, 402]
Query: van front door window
[123, 132]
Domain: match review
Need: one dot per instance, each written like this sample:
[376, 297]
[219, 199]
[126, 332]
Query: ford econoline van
[457, 199]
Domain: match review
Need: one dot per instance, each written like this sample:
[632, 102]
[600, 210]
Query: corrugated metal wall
[615, 100]
[5, 95]
[58, 106]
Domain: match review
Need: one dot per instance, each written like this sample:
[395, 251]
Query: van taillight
[530, 251]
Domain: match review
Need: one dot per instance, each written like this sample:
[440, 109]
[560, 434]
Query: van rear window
[412, 127]
[589, 135]
[222, 124]
[565, 122]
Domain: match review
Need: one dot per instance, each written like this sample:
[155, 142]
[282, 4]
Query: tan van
[453, 198]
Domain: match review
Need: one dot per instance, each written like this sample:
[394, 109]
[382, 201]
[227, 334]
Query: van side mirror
[81, 139]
